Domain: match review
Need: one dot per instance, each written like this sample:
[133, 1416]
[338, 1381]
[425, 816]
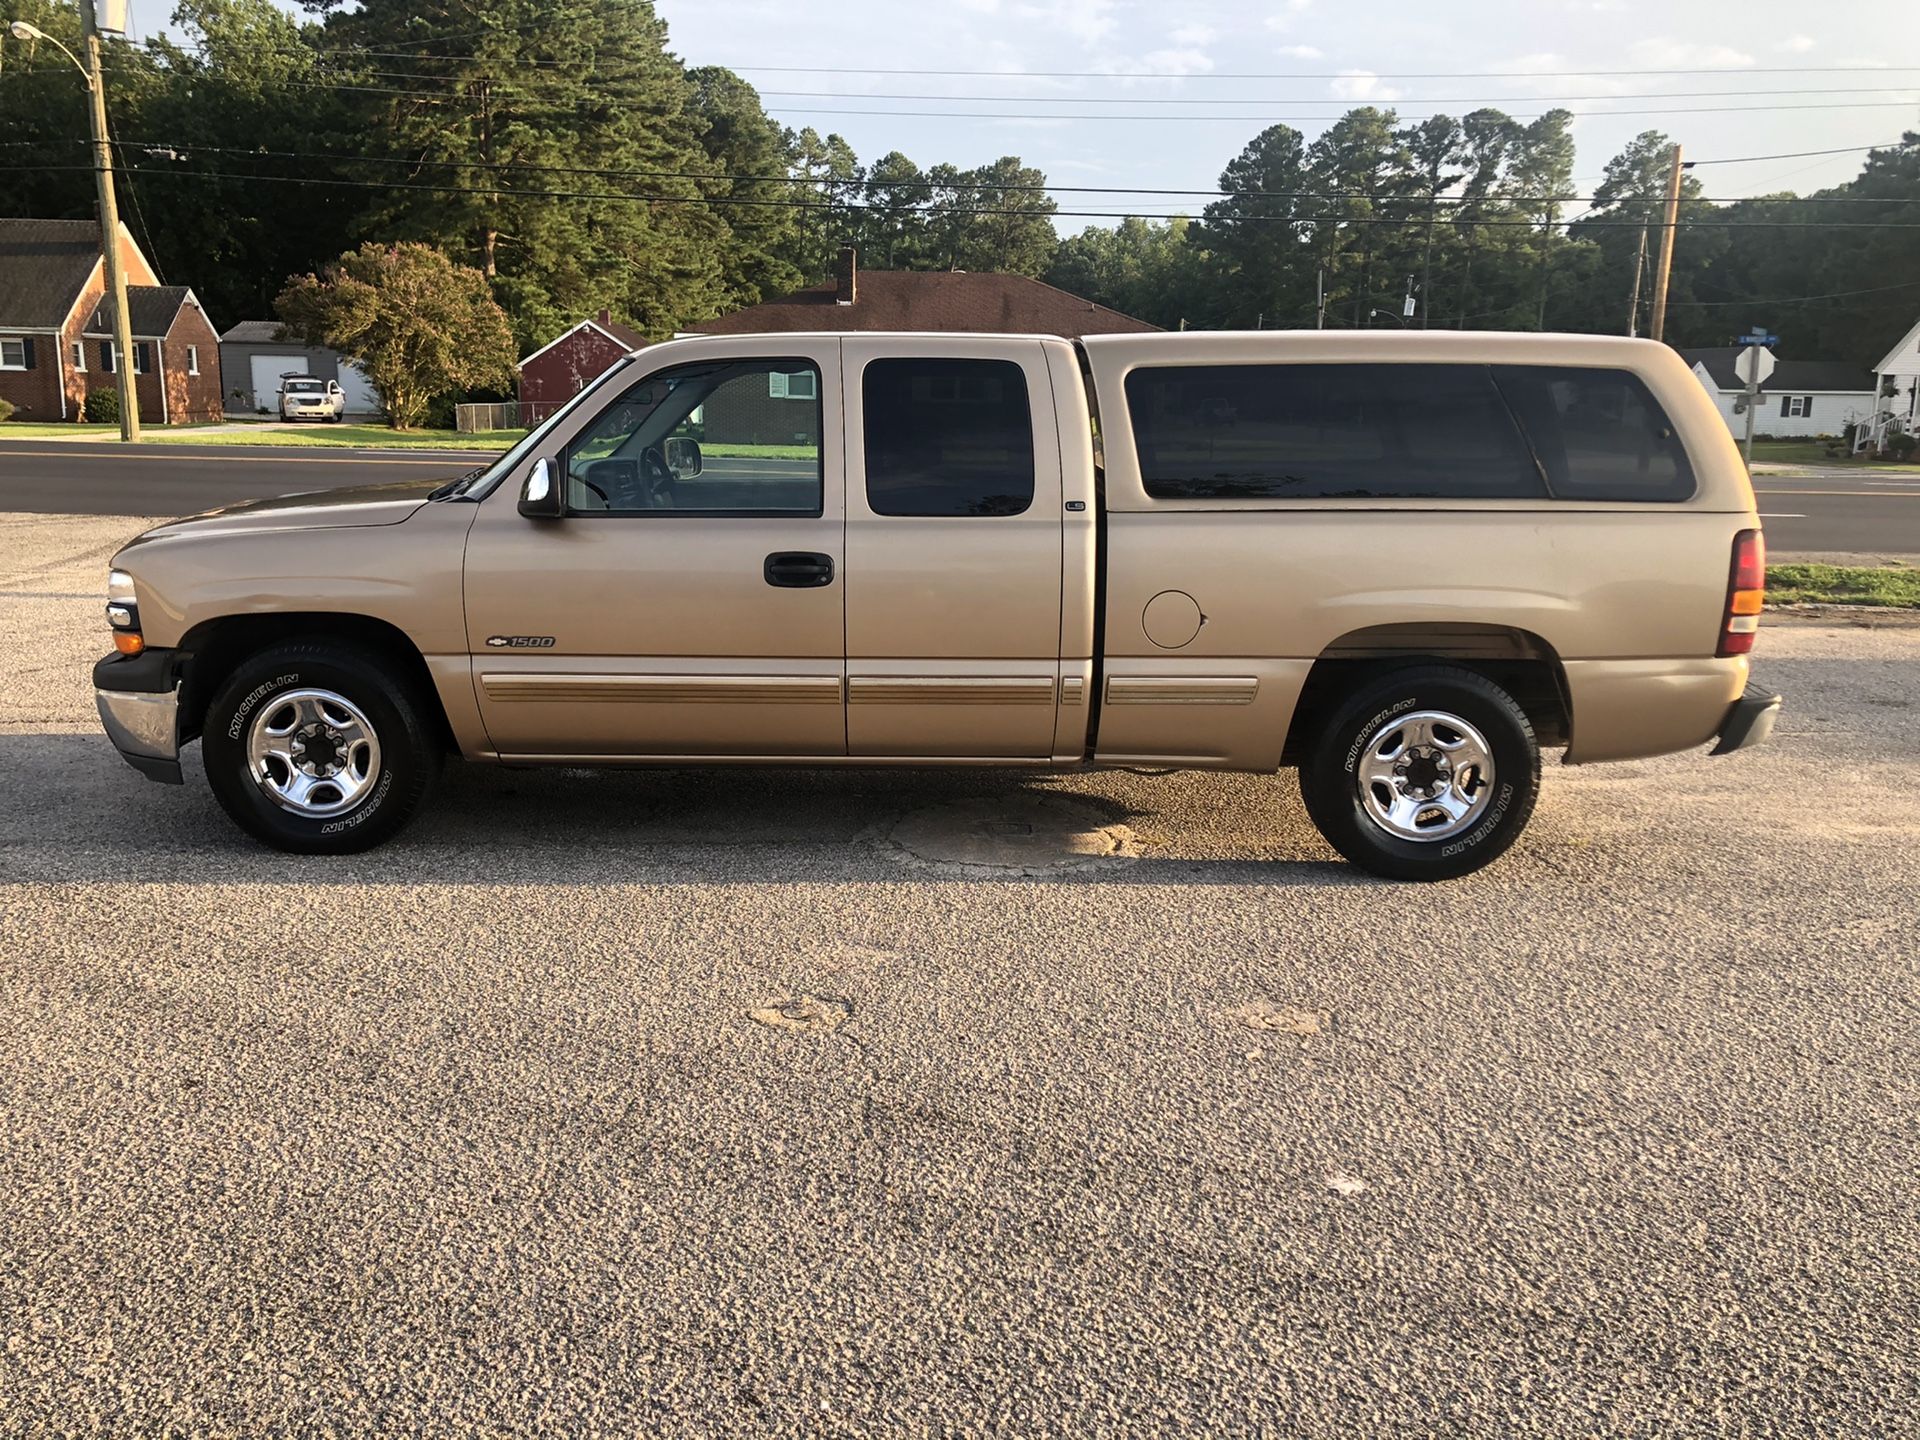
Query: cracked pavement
[763, 1102]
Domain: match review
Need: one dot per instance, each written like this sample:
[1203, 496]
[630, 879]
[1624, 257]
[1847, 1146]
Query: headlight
[123, 613]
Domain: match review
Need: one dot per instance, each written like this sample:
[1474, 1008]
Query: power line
[165, 149]
[1797, 299]
[1324, 74]
[1315, 119]
[499, 194]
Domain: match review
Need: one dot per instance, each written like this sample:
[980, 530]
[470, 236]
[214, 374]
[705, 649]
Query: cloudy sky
[1132, 117]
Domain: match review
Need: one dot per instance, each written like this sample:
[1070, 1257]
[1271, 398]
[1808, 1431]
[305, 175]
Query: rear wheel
[319, 749]
[1424, 773]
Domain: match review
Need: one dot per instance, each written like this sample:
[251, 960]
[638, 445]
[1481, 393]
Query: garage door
[267, 370]
[362, 398]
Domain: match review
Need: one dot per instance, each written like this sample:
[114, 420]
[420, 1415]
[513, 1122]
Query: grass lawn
[1814, 452]
[360, 436]
[1896, 586]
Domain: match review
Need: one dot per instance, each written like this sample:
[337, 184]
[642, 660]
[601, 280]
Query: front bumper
[139, 701]
[1749, 722]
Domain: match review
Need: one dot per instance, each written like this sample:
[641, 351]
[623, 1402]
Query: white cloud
[1794, 44]
[1361, 85]
[1301, 52]
[1665, 53]
[1088, 21]
[1178, 62]
[1191, 36]
[1286, 12]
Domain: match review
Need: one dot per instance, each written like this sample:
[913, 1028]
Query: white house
[1800, 397]
[1898, 412]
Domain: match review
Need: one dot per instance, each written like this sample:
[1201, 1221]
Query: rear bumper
[139, 702]
[1749, 722]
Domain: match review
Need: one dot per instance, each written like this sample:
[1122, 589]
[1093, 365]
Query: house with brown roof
[56, 328]
[927, 300]
[853, 300]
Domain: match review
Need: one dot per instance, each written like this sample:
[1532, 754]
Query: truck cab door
[954, 538]
[689, 602]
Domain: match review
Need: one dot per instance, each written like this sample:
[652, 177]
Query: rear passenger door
[953, 548]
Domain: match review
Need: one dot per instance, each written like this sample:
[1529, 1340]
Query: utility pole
[1658, 329]
[109, 212]
[1633, 304]
[123, 364]
[1320, 299]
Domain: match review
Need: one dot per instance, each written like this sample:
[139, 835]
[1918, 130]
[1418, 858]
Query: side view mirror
[683, 457]
[541, 497]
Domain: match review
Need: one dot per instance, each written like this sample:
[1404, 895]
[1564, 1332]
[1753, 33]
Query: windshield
[484, 480]
[303, 387]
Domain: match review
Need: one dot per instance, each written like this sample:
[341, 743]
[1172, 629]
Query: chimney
[845, 275]
[606, 317]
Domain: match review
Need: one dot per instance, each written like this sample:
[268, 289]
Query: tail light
[1746, 593]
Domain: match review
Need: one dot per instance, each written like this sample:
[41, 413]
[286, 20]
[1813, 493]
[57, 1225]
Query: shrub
[6, 411]
[103, 407]
[1901, 447]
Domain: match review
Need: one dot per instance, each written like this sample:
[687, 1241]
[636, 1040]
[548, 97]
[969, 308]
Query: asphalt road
[723, 1103]
[1819, 512]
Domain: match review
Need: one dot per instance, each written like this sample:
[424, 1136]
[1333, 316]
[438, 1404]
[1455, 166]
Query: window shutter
[106, 356]
[145, 348]
[26, 348]
[776, 385]
[1786, 402]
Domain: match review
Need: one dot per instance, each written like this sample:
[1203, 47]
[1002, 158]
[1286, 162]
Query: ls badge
[520, 642]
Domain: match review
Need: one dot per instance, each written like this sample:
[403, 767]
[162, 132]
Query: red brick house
[852, 300]
[561, 369]
[56, 328]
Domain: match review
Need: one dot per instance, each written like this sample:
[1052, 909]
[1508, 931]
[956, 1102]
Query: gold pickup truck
[1400, 563]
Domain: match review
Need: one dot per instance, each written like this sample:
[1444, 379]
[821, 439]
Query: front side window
[712, 438]
[13, 353]
[947, 437]
[1365, 431]
[1599, 434]
[1796, 407]
[79, 355]
[193, 359]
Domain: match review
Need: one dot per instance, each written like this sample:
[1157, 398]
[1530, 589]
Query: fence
[502, 415]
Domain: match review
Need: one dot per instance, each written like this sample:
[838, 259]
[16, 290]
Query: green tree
[552, 145]
[418, 324]
[892, 231]
[1145, 268]
[741, 141]
[831, 181]
[1258, 234]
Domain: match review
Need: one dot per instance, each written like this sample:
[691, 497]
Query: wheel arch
[1519, 661]
[218, 646]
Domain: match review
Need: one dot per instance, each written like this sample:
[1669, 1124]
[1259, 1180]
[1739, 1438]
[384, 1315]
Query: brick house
[56, 328]
[853, 300]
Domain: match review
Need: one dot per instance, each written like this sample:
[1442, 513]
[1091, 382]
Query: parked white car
[305, 397]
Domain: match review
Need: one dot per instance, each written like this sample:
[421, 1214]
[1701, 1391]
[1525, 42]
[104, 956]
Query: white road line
[1782, 515]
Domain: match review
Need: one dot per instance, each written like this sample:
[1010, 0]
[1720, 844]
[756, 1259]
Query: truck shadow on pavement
[79, 814]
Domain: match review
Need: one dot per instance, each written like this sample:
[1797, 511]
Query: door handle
[798, 569]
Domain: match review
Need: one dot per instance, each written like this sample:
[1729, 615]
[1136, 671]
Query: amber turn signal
[128, 642]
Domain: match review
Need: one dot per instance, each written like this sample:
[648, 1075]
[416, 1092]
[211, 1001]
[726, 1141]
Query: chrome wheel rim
[313, 752]
[1425, 776]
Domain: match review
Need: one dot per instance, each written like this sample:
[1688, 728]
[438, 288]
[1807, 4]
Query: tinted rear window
[1403, 432]
[947, 437]
[1328, 431]
[1599, 434]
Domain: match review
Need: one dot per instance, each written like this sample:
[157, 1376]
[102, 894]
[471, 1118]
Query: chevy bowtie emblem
[520, 642]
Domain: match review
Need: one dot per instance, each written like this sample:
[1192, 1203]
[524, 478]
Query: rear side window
[1599, 434]
[1328, 431]
[947, 437]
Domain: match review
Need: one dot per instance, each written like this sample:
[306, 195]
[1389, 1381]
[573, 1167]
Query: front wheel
[1424, 773]
[319, 749]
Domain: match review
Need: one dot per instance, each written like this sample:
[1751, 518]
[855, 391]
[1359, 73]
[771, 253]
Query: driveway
[743, 1102]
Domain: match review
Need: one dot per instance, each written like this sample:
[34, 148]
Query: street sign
[1759, 337]
[1753, 365]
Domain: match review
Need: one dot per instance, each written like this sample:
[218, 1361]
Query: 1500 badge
[520, 642]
